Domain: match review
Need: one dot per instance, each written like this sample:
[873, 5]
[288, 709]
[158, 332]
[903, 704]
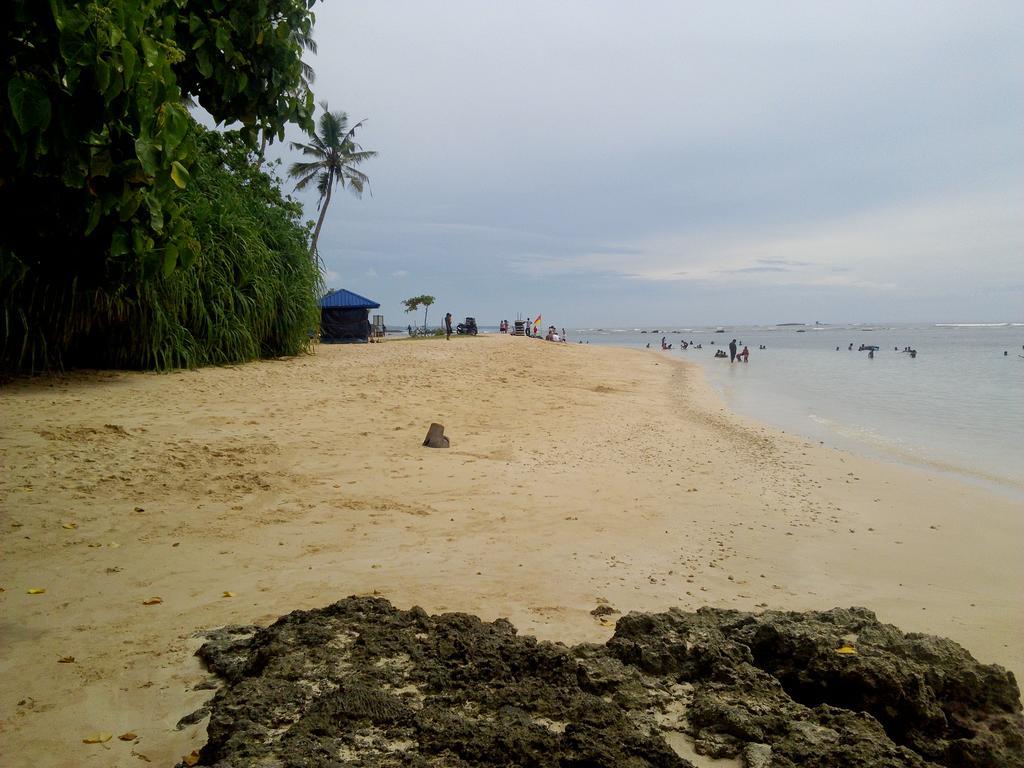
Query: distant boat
[801, 330]
[719, 330]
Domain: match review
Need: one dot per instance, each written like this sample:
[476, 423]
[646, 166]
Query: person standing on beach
[732, 351]
[448, 326]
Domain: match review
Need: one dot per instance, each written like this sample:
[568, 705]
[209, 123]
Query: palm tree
[336, 156]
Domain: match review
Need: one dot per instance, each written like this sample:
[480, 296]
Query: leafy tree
[96, 148]
[249, 293]
[306, 43]
[411, 305]
[336, 155]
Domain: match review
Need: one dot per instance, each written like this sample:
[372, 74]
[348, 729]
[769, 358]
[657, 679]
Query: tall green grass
[250, 292]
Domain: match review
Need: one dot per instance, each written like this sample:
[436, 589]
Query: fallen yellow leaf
[69, 525]
[228, 594]
[153, 601]
[66, 660]
[37, 591]
[847, 650]
[130, 736]
[98, 738]
[191, 758]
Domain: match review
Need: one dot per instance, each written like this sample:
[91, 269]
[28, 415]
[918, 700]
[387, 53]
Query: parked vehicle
[468, 327]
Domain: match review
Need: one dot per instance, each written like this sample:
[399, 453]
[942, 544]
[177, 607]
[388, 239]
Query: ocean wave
[858, 432]
[976, 325]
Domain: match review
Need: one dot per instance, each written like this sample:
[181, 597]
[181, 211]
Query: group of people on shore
[504, 326]
[552, 334]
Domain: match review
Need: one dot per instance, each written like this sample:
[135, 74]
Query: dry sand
[576, 475]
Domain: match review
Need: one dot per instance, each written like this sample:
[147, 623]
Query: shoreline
[879, 451]
[294, 483]
[799, 410]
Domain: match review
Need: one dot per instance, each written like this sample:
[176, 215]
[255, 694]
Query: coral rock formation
[360, 683]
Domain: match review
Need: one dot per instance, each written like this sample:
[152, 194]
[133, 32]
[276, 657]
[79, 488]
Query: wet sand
[576, 476]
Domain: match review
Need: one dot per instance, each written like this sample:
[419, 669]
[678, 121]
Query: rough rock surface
[360, 683]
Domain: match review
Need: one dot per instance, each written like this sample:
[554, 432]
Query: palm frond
[354, 158]
[304, 181]
[322, 185]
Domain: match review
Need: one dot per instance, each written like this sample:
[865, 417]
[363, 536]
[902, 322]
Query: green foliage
[249, 292]
[335, 156]
[96, 149]
[411, 305]
[251, 51]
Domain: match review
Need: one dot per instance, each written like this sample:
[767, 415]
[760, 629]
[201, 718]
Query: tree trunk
[323, 212]
[263, 149]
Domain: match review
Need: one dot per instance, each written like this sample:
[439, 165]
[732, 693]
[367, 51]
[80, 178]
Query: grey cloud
[546, 134]
[784, 262]
[744, 270]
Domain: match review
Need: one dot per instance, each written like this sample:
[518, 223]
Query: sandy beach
[151, 507]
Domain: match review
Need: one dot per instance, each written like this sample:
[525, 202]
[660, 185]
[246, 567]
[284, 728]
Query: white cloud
[932, 242]
[400, 273]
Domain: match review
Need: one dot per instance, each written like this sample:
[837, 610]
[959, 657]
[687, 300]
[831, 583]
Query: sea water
[958, 406]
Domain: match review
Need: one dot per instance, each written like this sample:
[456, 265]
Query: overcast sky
[617, 164]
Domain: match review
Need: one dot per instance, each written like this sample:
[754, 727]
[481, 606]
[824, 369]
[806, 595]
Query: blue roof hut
[344, 317]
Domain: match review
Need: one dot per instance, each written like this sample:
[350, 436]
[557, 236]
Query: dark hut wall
[338, 324]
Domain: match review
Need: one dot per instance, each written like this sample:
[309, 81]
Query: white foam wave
[975, 325]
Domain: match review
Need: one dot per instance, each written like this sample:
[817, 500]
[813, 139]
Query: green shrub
[97, 152]
[251, 290]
